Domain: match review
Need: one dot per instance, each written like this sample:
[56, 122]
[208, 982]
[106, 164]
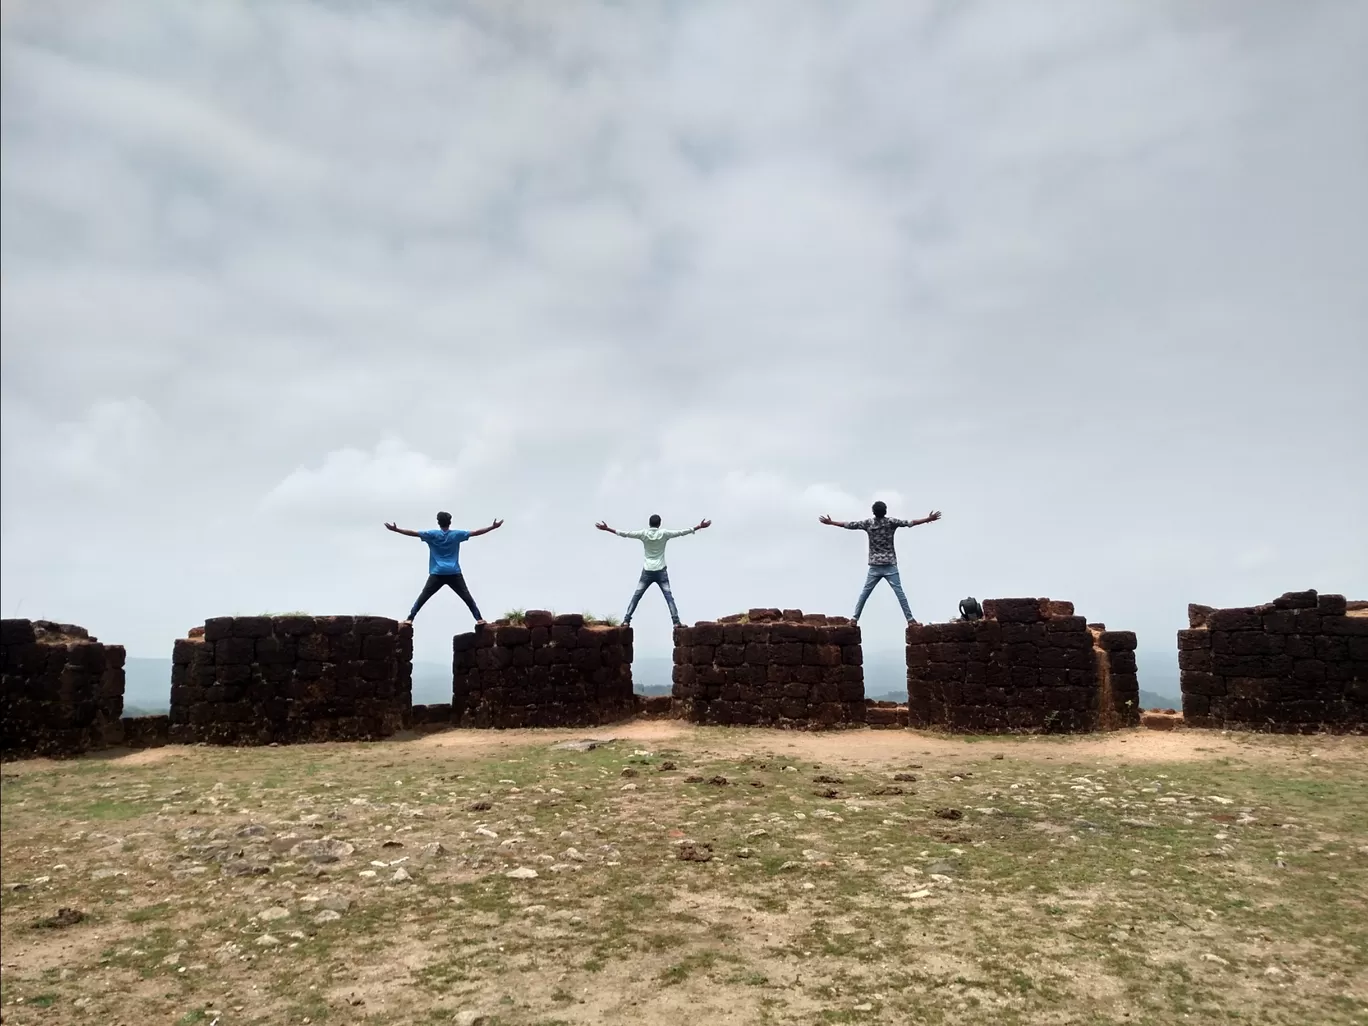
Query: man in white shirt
[653, 540]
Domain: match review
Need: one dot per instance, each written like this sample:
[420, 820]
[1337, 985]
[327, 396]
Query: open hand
[603, 526]
[497, 524]
[935, 514]
[825, 518]
[390, 526]
[702, 524]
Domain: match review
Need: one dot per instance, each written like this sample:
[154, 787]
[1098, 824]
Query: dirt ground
[675, 872]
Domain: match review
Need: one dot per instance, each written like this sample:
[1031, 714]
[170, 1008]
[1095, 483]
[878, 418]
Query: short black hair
[655, 519]
[880, 509]
[443, 519]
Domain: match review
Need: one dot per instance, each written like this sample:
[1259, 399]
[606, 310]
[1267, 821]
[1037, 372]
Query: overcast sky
[1087, 276]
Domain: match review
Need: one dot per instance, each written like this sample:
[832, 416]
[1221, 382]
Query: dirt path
[854, 747]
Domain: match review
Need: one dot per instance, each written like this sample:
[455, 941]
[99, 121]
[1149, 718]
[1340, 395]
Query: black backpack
[970, 609]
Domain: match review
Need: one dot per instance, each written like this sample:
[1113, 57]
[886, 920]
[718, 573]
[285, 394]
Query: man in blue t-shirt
[444, 562]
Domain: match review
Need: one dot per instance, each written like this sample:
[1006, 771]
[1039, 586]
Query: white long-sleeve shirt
[653, 540]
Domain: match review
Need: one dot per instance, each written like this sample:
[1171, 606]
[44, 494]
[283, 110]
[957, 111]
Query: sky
[1085, 275]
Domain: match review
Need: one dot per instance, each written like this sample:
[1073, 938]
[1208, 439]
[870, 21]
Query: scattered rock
[321, 850]
[923, 893]
[1141, 823]
[107, 874]
[693, 780]
[627, 771]
[267, 941]
[481, 806]
[941, 868]
[822, 778]
[62, 918]
[434, 850]
[665, 767]
[241, 867]
[691, 851]
[906, 777]
[469, 1018]
[253, 830]
[829, 792]
[586, 745]
[881, 791]
[521, 873]
[327, 916]
[756, 783]
[718, 781]
[400, 876]
[1215, 959]
[949, 813]
[267, 915]
[392, 844]
[334, 903]
[484, 831]
[745, 853]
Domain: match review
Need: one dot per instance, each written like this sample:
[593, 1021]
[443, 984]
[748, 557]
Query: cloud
[1087, 278]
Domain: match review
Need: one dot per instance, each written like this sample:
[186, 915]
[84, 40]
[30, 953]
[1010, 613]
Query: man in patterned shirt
[883, 560]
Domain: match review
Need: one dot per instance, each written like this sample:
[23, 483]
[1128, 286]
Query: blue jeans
[648, 578]
[887, 572]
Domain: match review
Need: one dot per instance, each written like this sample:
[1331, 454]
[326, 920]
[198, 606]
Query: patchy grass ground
[675, 875]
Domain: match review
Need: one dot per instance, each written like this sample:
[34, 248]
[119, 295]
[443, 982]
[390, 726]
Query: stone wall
[885, 715]
[774, 667]
[547, 671]
[1030, 665]
[255, 680]
[61, 691]
[1297, 664]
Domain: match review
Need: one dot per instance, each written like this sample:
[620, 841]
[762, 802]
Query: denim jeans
[648, 578]
[886, 572]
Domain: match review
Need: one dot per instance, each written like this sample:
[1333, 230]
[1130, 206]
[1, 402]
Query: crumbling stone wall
[61, 691]
[1029, 665]
[547, 671]
[885, 715]
[255, 680]
[780, 668]
[1297, 664]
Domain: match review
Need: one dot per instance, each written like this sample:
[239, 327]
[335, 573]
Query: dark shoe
[679, 623]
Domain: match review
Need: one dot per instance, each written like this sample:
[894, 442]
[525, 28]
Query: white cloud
[1085, 278]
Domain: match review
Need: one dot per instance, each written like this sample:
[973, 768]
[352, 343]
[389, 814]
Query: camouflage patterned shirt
[880, 531]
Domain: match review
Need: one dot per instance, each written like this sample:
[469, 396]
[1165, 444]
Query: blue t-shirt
[444, 555]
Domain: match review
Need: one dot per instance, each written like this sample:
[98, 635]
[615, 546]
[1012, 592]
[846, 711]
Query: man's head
[444, 521]
[880, 510]
[655, 519]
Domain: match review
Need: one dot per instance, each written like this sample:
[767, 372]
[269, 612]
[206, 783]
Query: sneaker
[626, 623]
[480, 623]
[406, 623]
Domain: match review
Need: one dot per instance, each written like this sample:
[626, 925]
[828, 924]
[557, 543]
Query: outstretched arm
[930, 518]
[701, 525]
[485, 530]
[825, 518]
[400, 530]
[602, 525]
